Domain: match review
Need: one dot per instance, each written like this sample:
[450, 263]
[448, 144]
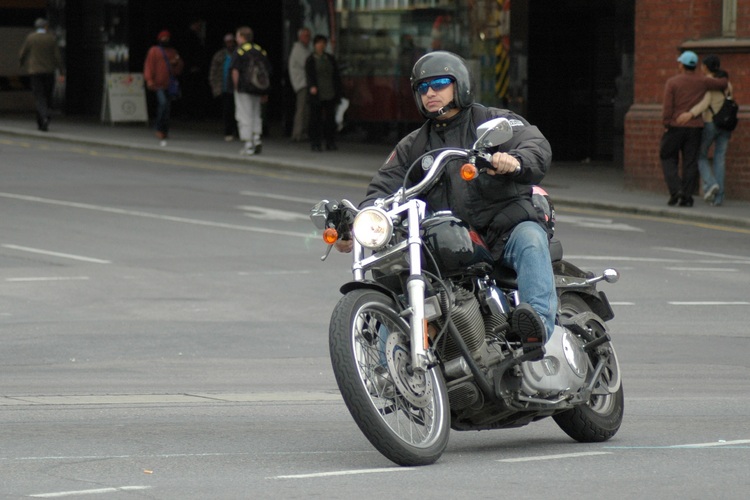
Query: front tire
[601, 418]
[403, 414]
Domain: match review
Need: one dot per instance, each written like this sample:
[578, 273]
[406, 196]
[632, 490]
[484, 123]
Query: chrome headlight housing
[372, 228]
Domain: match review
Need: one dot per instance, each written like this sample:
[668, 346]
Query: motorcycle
[420, 342]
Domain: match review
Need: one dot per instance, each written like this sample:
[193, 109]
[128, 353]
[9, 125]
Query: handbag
[173, 88]
[726, 117]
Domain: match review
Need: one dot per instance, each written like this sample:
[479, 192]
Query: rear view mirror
[493, 133]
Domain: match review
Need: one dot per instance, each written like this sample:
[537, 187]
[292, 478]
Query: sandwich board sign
[125, 99]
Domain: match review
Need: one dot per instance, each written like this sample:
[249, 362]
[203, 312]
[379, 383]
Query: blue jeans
[527, 252]
[720, 140]
[162, 111]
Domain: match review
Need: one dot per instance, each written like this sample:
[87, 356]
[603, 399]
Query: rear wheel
[402, 412]
[601, 418]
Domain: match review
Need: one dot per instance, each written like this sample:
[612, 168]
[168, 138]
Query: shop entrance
[580, 75]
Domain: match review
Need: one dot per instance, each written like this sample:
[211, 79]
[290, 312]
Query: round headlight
[372, 228]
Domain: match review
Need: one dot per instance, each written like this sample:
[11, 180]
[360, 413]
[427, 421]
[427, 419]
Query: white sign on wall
[126, 98]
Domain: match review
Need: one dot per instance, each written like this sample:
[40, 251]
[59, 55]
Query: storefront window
[379, 41]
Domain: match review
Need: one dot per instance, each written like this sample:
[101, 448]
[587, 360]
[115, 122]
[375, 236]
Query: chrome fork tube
[416, 290]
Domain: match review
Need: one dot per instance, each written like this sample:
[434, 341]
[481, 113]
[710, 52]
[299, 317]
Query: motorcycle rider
[497, 205]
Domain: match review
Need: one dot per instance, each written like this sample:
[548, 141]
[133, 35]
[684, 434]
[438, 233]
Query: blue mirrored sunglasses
[437, 84]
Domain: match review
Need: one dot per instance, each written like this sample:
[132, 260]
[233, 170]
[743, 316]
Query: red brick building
[662, 30]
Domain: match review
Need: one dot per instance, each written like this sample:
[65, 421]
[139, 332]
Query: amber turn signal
[468, 172]
[330, 236]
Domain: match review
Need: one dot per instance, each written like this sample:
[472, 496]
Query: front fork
[421, 357]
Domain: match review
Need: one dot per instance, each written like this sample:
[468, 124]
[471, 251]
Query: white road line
[134, 213]
[264, 213]
[709, 303]
[57, 254]
[703, 269]
[48, 278]
[279, 197]
[621, 258]
[712, 444]
[698, 252]
[556, 457]
[97, 491]
[622, 303]
[342, 473]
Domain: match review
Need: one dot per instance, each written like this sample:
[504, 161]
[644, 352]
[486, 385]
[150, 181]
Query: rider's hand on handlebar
[503, 163]
[344, 246]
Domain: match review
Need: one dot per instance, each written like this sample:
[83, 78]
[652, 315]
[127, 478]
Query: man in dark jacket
[499, 204]
[324, 94]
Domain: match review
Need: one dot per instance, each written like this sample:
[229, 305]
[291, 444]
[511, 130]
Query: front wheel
[403, 413]
[601, 418]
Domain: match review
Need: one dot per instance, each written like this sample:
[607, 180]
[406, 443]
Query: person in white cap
[682, 92]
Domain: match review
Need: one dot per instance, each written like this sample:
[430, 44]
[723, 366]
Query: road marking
[117, 457]
[342, 473]
[279, 197]
[709, 303]
[712, 444]
[274, 273]
[57, 254]
[264, 213]
[622, 303]
[698, 252]
[96, 491]
[48, 278]
[703, 269]
[620, 258]
[186, 398]
[596, 223]
[556, 457]
[134, 213]
[656, 218]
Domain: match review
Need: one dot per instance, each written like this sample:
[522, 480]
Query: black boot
[526, 323]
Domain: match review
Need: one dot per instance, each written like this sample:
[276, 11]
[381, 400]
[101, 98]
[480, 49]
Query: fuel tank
[455, 247]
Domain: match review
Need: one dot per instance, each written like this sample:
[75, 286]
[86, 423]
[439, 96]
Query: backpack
[726, 117]
[255, 78]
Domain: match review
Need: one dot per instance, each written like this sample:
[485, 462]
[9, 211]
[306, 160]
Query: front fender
[368, 285]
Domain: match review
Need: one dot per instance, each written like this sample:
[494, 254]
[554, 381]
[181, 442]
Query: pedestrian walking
[298, 79]
[250, 76]
[40, 56]
[682, 92]
[160, 70]
[712, 177]
[220, 78]
[324, 94]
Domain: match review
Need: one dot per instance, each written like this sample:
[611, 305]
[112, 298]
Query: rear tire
[601, 418]
[404, 415]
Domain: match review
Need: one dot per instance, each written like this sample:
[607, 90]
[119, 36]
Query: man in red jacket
[163, 65]
[682, 92]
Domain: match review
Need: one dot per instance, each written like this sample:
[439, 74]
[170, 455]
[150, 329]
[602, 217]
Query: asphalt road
[164, 335]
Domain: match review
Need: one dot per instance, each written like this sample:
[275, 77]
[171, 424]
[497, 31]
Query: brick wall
[662, 27]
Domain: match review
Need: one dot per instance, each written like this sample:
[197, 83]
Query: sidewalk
[593, 185]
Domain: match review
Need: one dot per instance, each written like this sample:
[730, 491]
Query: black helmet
[442, 63]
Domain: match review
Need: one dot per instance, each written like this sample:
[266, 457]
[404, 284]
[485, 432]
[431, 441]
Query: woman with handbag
[712, 178]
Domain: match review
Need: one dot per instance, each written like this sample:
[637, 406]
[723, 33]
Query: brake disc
[415, 387]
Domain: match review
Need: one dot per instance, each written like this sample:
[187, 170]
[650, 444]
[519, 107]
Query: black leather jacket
[493, 205]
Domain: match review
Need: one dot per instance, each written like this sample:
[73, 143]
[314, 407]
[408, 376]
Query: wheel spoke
[412, 424]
